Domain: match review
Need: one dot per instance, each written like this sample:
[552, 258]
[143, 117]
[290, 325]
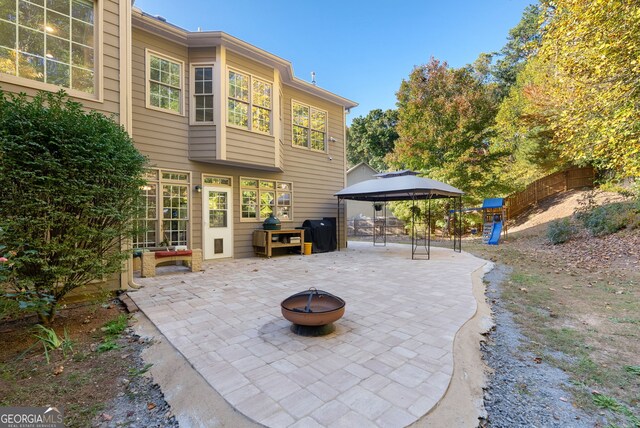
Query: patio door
[218, 222]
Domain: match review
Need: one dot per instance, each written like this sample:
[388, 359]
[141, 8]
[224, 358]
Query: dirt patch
[560, 206]
[96, 386]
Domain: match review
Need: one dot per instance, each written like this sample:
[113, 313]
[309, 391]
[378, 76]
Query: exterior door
[218, 222]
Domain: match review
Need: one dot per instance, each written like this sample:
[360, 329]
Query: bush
[560, 231]
[611, 218]
[70, 181]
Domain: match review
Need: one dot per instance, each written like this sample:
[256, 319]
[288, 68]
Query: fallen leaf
[537, 360]
[106, 417]
[58, 370]
[151, 406]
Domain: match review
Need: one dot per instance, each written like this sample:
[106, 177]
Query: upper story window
[250, 102]
[49, 41]
[164, 83]
[202, 102]
[309, 127]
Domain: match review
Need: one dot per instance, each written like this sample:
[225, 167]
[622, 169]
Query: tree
[445, 118]
[70, 183]
[371, 137]
[593, 49]
[524, 128]
[522, 43]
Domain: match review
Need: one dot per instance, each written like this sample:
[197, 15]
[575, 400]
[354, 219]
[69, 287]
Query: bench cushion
[161, 254]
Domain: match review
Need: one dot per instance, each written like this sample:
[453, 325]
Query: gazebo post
[338, 225]
[413, 225]
[429, 230]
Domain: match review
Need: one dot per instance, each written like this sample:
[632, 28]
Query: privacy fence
[572, 178]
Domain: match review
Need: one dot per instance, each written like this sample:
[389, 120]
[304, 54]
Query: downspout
[126, 114]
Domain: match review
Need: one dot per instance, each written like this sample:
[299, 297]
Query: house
[232, 135]
[357, 174]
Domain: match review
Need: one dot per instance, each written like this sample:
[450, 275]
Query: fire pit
[312, 312]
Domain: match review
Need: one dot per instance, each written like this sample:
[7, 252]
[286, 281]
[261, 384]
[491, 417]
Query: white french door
[217, 211]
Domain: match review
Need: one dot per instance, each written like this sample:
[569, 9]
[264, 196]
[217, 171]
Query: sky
[359, 50]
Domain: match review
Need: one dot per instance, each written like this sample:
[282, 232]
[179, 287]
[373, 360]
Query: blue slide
[495, 233]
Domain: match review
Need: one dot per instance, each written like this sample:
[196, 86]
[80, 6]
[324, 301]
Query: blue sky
[359, 50]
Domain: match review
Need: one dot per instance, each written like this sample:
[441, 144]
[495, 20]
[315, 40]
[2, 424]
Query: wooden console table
[263, 240]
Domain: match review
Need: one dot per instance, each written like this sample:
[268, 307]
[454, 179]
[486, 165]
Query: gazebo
[407, 186]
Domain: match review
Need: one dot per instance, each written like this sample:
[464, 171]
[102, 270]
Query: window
[165, 216]
[202, 78]
[49, 41]
[309, 127]
[218, 181]
[147, 224]
[250, 102]
[260, 198]
[164, 81]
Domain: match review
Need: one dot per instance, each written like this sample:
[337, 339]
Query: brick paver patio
[387, 364]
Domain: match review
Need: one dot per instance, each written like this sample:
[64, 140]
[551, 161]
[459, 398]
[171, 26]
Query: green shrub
[560, 231]
[611, 218]
[70, 181]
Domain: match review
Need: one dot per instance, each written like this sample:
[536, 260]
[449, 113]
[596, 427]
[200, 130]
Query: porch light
[198, 188]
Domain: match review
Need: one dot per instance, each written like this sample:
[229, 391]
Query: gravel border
[522, 392]
[141, 403]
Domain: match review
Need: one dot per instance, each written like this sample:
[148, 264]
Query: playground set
[494, 214]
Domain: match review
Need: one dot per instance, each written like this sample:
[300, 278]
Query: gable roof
[353, 168]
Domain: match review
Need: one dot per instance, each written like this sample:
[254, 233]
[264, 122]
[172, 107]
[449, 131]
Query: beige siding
[202, 142]
[250, 147]
[110, 68]
[202, 138]
[247, 65]
[316, 178]
[168, 140]
[162, 136]
[202, 55]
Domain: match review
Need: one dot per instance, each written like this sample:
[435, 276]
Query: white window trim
[147, 77]
[98, 95]
[159, 181]
[326, 132]
[250, 112]
[192, 94]
[257, 219]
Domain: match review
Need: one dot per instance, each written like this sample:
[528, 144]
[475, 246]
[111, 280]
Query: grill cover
[323, 235]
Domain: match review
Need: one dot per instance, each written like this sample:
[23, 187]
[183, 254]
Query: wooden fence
[561, 181]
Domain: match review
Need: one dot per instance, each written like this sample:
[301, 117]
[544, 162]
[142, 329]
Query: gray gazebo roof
[400, 188]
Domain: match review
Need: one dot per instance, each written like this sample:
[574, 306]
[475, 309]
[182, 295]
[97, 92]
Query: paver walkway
[387, 364]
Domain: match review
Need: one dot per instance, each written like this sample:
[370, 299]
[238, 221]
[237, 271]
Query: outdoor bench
[151, 259]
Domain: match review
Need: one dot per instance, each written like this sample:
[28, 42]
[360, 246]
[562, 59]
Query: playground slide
[495, 233]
